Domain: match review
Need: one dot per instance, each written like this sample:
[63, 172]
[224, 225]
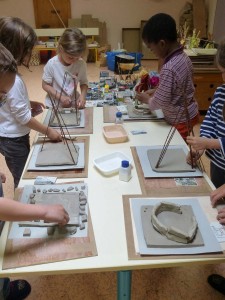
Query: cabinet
[205, 83]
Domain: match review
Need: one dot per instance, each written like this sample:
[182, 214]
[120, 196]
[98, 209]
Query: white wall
[117, 14]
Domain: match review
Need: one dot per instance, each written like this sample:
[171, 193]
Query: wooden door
[47, 17]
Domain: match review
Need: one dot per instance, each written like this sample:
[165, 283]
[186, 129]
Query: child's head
[8, 70]
[160, 30]
[18, 37]
[72, 45]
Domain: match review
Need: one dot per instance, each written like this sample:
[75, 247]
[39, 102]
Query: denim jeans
[4, 288]
[217, 175]
[15, 151]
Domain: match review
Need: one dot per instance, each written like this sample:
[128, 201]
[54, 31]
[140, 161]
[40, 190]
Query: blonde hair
[7, 61]
[73, 41]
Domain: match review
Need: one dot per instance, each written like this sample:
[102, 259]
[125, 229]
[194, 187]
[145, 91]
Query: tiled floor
[188, 282]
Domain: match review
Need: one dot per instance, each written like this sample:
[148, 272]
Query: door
[52, 13]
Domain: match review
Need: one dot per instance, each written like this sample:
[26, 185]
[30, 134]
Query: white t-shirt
[55, 75]
[16, 112]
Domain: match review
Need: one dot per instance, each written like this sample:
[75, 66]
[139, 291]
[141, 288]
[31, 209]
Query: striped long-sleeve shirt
[213, 126]
[175, 84]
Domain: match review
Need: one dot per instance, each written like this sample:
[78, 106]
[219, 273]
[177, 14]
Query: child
[212, 141]
[71, 47]
[15, 115]
[11, 210]
[212, 131]
[176, 90]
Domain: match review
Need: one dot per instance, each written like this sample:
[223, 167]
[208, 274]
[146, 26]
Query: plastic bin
[111, 57]
[137, 58]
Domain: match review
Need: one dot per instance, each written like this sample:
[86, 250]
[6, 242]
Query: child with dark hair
[16, 115]
[71, 47]
[175, 91]
[11, 210]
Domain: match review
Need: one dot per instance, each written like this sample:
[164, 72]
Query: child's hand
[221, 215]
[3, 177]
[65, 101]
[36, 108]
[56, 213]
[195, 157]
[198, 143]
[54, 135]
[217, 195]
[81, 102]
[142, 97]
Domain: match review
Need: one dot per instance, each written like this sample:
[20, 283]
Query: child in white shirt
[16, 114]
[63, 72]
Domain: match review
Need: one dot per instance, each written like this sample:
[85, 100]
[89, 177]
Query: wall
[117, 14]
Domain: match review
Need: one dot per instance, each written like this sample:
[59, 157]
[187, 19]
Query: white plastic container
[125, 171]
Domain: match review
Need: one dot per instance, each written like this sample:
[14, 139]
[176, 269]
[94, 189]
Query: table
[105, 195]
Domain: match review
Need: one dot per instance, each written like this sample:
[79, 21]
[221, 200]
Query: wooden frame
[131, 39]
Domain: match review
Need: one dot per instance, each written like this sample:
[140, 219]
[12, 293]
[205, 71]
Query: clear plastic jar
[119, 118]
[125, 171]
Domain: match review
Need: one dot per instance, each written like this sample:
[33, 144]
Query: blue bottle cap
[119, 114]
[125, 164]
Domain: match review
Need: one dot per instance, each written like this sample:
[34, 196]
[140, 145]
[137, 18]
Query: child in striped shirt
[212, 131]
[176, 90]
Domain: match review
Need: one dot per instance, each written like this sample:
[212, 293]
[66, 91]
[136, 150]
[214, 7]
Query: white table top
[106, 207]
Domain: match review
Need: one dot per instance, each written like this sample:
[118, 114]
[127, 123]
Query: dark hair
[73, 41]
[18, 37]
[220, 55]
[7, 61]
[160, 27]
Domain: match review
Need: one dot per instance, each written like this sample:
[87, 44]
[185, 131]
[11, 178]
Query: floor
[176, 283]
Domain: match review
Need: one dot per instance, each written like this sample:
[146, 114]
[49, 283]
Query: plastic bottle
[125, 171]
[119, 118]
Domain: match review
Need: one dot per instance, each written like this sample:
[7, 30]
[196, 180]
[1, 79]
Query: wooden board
[167, 186]
[78, 173]
[45, 15]
[32, 251]
[88, 127]
[132, 255]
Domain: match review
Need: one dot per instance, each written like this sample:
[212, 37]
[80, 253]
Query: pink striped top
[175, 84]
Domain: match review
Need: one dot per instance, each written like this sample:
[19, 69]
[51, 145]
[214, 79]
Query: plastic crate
[111, 57]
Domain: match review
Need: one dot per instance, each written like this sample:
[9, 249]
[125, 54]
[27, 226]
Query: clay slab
[155, 240]
[131, 115]
[142, 152]
[67, 116]
[16, 230]
[210, 242]
[32, 162]
[174, 160]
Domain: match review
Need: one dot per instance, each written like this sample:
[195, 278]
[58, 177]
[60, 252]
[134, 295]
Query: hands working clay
[145, 97]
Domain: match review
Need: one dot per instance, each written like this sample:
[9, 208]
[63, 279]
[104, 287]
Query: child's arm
[11, 210]
[221, 215]
[37, 126]
[217, 195]
[64, 100]
[82, 98]
[202, 143]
